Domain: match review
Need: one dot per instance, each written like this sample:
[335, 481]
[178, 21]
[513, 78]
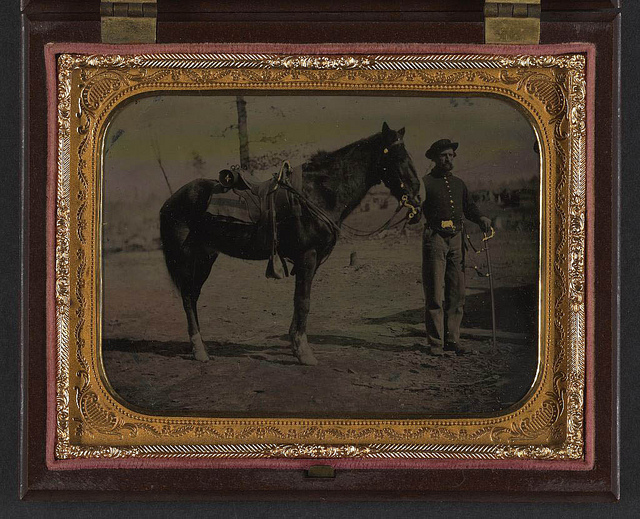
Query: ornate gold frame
[548, 424]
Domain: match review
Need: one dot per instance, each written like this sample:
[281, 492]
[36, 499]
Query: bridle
[413, 211]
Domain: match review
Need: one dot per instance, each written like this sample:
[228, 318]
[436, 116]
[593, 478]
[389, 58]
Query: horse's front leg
[305, 270]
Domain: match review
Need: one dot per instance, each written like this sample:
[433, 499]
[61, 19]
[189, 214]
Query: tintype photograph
[307, 257]
[270, 254]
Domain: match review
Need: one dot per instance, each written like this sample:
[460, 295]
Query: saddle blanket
[232, 205]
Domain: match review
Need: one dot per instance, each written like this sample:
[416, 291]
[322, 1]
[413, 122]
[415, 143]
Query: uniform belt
[448, 226]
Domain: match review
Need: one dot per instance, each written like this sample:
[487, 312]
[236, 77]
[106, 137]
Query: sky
[196, 136]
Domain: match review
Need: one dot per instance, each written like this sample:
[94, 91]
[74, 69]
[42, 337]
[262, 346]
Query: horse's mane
[340, 175]
[323, 160]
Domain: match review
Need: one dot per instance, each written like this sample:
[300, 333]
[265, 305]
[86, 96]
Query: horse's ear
[385, 128]
[401, 132]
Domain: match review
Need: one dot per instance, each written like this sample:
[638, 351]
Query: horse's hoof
[199, 349]
[306, 358]
[301, 350]
[201, 356]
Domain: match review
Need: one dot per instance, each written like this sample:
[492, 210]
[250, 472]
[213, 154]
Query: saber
[490, 276]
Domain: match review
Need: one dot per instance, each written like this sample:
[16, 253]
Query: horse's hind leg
[197, 271]
[305, 270]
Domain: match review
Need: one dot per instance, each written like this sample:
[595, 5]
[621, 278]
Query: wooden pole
[242, 132]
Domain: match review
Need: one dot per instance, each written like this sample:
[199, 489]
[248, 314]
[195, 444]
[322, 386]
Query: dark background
[10, 506]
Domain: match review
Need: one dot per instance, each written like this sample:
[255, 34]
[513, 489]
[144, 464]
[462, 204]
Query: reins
[319, 212]
[313, 208]
[357, 232]
[386, 225]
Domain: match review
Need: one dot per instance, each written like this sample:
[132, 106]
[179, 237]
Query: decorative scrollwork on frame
[320, 62]
[62, 265]
[554, 85]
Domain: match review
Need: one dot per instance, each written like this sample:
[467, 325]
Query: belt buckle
[447, 224]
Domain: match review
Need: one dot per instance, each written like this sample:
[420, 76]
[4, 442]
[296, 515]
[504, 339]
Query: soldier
[447, 203]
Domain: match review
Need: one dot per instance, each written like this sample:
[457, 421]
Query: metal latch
[321, 472]
[512, 22]
[129, 21]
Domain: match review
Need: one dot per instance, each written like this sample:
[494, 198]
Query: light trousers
[444, 286]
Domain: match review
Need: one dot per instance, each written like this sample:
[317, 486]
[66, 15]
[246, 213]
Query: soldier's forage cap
[439, 146]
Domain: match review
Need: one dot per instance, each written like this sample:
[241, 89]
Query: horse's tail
[177, 217]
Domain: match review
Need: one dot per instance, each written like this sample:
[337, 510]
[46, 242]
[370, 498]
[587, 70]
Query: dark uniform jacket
[447, 202]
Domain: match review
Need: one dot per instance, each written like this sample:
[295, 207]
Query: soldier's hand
[485, 224]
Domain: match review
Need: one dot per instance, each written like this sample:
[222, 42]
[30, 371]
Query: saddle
[248, 201]
[259, 204]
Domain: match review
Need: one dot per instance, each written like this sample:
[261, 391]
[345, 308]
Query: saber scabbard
[486, 239]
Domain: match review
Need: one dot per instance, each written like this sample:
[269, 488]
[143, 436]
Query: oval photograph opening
[333, 256]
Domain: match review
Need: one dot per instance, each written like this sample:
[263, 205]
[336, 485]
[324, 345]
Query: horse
[333, 184]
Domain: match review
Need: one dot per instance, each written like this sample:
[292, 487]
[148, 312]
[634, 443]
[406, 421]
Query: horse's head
[397, 171]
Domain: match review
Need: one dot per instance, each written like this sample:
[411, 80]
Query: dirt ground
[365, 326]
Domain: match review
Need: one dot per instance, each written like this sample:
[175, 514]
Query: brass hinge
[512, 22]
[129, 21]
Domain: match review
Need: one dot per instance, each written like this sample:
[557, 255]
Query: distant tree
[156, 150]
[197, 161]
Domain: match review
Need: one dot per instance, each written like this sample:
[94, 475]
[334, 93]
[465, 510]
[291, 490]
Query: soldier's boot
[457, 348]
[436, 350]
